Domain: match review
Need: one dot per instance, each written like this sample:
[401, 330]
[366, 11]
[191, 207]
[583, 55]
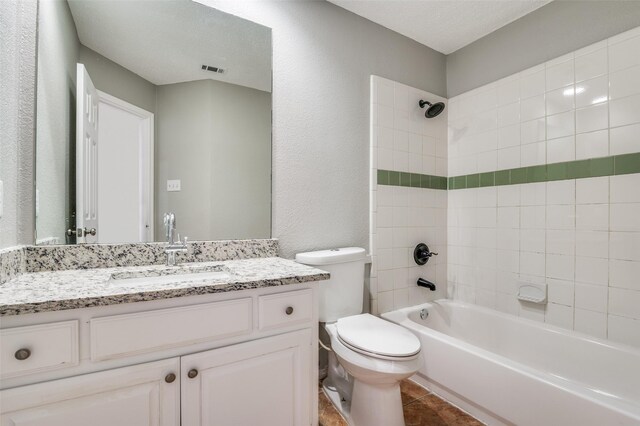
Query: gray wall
[17, 113]
[55, 138]
[555, 29]
[216, 138]
[322, 59]
[118, 81]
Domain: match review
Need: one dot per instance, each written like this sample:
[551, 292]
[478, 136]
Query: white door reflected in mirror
[86, 156]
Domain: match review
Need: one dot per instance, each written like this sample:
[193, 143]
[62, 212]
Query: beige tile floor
[421, 408]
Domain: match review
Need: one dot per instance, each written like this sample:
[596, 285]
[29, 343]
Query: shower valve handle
[422, 254]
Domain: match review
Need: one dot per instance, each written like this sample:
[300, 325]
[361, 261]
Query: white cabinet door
[138, 395]
[264, 382]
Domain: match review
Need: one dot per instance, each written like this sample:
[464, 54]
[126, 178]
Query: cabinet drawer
[131, 334]
[284, 309]
[38, 348]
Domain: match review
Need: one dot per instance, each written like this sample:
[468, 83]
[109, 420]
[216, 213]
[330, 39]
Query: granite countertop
[73, 289]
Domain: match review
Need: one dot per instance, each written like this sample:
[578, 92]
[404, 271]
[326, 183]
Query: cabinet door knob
[22, 354]
[289, 310]
[170, 378]
[192, 373]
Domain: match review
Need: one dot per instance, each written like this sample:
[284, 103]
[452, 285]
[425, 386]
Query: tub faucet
[173, 246]
[428, 284]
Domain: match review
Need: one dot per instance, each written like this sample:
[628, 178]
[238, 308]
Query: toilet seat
[377, 338]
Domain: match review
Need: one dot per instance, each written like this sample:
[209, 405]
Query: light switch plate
[173, 185]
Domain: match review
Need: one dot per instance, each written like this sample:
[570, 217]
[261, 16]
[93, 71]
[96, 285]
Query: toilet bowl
[369, 355]
[375, 373]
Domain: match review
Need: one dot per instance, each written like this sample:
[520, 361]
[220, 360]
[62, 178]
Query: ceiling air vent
[213, 69]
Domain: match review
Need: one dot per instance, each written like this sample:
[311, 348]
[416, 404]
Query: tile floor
[420, 408]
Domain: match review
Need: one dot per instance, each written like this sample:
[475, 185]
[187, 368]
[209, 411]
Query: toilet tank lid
[328, 257]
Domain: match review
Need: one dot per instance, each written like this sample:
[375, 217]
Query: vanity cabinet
[135, 395]
[243, 359]
[256, 383]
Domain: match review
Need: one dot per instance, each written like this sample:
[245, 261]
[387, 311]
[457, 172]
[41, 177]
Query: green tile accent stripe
[412, 180]
[579, 169]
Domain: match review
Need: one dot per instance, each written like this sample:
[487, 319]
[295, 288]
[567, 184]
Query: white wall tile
[532, 240]
[508, 239]
[625, 217]
[624, 330]
[592, 144]
[559, 100]
[532, 264]
[591, 297]
[561, 149]
[625, 188]
[581, 237]
[532, 108]
[559, 315]
[533, 194]
[625, 303]
[533, 154]
[624, 83]
[625, 111]
[624, 140]
[561, 192]
[592, 243]
[624, 54]
[591, 65]
[624, 274]
[532, 82]
[560, 292]
[592, 217]
[560, 267]
[590, 322]
[561, 242]
[559, 75]
[594, 117]
[532, 217]
[592, 270]
[509, 114]
[624, 246]
[508, 158]
[592, 92]
[560, 217]
[508, 195]
[534, 131]
[560, 125]
[592, 190]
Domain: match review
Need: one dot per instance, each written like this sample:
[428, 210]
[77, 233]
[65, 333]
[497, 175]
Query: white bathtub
[508, 370]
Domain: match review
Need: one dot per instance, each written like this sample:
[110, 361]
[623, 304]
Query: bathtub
[508, 370]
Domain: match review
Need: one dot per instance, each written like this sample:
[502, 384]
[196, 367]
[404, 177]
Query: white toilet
[375, 353]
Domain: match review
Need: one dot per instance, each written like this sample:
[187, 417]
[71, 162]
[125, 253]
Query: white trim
[148, 119]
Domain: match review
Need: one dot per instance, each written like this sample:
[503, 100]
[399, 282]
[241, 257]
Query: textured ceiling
[443, 25]
[168, 41]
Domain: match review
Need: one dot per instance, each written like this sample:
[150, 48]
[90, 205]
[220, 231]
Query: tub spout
[428, 284]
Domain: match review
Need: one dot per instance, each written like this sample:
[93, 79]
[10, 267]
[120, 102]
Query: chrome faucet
[173, 246]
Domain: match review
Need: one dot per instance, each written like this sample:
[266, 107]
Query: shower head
[433, 110]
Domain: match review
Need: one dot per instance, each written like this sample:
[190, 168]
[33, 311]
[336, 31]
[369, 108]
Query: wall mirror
[148, 107]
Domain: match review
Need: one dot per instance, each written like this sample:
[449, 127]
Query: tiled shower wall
[544, 187]
[408, 195]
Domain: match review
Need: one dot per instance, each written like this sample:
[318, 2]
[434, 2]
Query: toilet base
[371, 405]
[376, 405]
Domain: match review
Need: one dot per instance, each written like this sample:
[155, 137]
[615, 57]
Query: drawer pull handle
[22, 354]
[289, 310]
[192, 373]
[170, 378]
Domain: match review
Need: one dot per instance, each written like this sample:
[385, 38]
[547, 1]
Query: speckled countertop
[72, 289]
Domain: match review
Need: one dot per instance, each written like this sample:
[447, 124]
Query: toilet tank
[342, 294]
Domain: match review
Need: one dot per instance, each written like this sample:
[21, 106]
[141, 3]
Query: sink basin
[181, 273]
